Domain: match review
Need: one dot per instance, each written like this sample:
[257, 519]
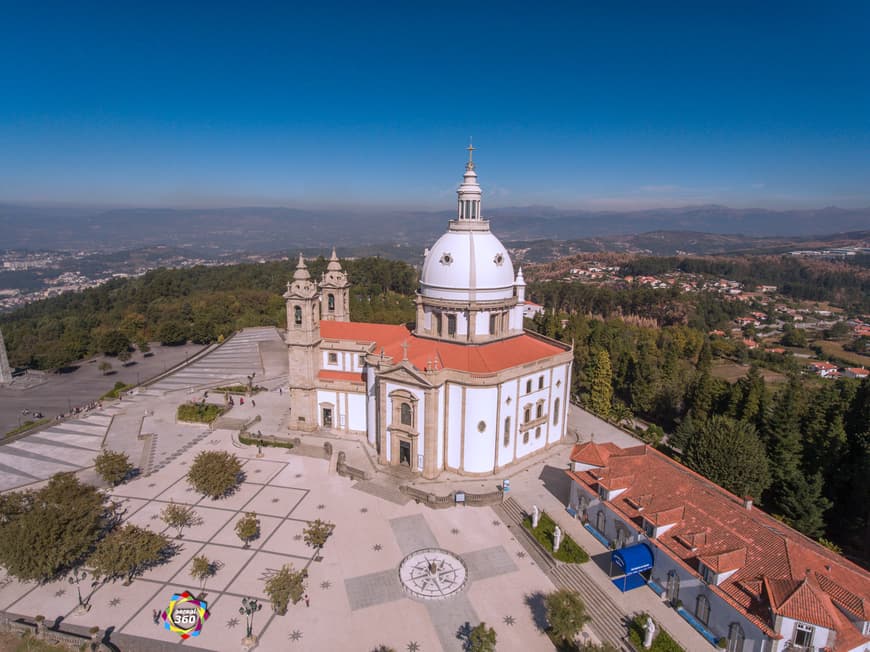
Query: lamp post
[249, 607]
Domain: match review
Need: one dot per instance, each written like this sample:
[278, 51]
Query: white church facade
[464, 389]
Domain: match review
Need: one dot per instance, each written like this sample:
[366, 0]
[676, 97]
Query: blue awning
[633, 559]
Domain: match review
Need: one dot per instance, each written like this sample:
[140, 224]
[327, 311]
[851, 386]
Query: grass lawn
[199, 412]
[731, 371]
[662, 642]
[836, 350]
[569, 551]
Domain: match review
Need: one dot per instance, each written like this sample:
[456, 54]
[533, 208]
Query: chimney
[747, 503]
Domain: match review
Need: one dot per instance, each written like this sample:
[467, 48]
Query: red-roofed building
[856, 372]
[823, 369]
[739, 574]
[464, 389]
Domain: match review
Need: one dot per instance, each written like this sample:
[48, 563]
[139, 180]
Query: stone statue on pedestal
[557, 538]
[536, 516]
[649, 630]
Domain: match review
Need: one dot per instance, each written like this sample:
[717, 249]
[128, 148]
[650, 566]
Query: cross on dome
[470, 148]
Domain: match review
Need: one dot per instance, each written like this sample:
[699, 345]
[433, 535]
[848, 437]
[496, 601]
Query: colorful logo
[185, 615]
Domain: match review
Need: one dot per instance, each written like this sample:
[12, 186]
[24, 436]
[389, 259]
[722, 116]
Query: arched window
[528, 387]
[451, 325]
[492, 323]
[507, 431]
[527, 414]
[556, 412]
[600, 521]
[541, 382]
[330, 302]
[735, 638]
[405, 414]
[297, 315]
[539, 411]
[538, 432]
[702, 609]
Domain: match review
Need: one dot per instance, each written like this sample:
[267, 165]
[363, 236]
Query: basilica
[464, 389]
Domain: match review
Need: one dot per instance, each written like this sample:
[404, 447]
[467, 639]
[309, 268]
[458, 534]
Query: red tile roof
[423, 352]
[352, 376]
[592, 453]
[770, 560]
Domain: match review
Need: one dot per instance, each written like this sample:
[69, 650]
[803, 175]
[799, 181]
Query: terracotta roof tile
[352, 376]
[424, 352]
[594, 454]
[715, 527]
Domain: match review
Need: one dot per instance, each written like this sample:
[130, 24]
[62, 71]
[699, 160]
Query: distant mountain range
[258, 229]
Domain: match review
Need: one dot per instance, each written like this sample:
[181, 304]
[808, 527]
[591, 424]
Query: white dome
[468, 265]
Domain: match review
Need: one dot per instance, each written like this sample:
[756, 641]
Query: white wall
[345, 360]
[454, 425]
[371, 407]
[480, 406]
[439, 430]
[356, 415]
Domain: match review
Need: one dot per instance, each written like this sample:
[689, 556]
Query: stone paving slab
[373, 589]
[413, 533]
[491, 562]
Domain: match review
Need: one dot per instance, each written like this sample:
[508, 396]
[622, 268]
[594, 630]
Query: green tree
[124, 356]
[481, 639]
[601, 385]
[317, 532]
[47, 532]
[284, 586]
[113, 342]
[172, 333]
[113, 467]
[179, 517]
[248, 528]
[792, 336]
[566, 614]
[215, 473]
[201, 569]
[729, 453]
[799, 500]
[129, 551]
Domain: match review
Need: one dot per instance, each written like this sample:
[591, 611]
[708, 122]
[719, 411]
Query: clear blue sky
[570, 103]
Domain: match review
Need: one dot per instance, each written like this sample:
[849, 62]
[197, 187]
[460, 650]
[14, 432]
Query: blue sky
[574, 104]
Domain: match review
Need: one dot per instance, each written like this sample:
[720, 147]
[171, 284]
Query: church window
[556, 412]
[492, 323]
[528, 387]
[507, 431]
[333, 358]
[541, 382]
[330, 302]
[451, 324]
[526, 437]
[539, 410]
[406, 414]
[527, 414]
[446, 259]
[297, 315]
[538, 432]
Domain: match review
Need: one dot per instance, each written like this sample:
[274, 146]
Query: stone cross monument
[5, 371]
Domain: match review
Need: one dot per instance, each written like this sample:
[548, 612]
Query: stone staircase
[608, 620]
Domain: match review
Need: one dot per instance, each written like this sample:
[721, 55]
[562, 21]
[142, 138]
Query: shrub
[568, 552]
[317, 533]
[248, 528]
[254, 441]
[285, 586]
[566, 614]
[113, 467]
[117, 390]
[215, 473]
[179, 517]
[199, 412]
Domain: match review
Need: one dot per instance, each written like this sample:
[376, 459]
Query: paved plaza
[357, 600]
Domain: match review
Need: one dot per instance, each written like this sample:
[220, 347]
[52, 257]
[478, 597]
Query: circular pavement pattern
[432, 574]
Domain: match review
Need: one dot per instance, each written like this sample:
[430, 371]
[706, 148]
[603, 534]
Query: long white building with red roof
[739, 575]
[464, 389]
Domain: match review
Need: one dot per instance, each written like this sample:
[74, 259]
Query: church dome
[468, 265]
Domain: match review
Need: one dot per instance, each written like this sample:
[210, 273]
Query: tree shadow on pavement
[535, 603]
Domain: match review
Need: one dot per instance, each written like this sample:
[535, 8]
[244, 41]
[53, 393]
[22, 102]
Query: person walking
[307, 601]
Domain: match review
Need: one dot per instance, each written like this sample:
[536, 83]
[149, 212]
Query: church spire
[301, 273]
[469, 192]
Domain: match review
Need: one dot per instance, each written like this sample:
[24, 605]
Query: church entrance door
[405, 453]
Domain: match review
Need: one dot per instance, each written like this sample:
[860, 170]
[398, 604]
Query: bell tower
[335, 292]
[303, 340]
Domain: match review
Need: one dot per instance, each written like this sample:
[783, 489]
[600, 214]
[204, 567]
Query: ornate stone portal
[432, 574]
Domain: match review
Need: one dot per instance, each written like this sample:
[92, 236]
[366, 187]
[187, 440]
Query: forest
[202, 304]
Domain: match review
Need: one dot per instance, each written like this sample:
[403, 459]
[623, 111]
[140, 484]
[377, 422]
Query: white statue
[536, 516]
[649, 631]
[557, 539]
